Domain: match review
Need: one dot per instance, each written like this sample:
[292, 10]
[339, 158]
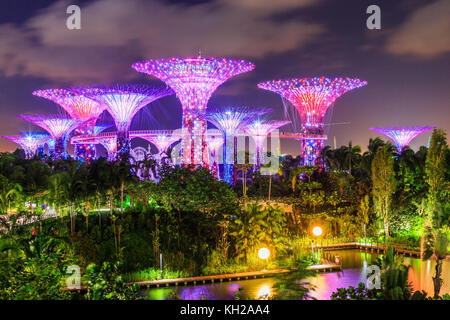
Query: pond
[355, 265]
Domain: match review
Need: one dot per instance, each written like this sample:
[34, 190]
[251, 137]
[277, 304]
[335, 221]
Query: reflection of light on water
[264, 292]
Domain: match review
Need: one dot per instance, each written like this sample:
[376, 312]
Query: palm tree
[8, 192]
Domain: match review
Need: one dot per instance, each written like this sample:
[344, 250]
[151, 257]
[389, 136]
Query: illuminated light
[317, 231]
[58, 126]
[194, 79]
[29, 142]
[402, 136]
[312, 97]
[230, 121]
[123, 102]
[263, 253]
[264, 292]
[259, 131]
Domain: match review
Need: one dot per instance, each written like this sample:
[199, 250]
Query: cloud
[115, 33]
[424, 34]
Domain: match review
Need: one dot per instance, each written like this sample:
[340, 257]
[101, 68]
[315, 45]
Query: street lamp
[317, 231]
[263, 253]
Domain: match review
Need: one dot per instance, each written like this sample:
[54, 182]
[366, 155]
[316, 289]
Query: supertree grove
[194, 80]
[123, 102]
[259, 131]
[312, 97]
[29, 142]
[78, 107]
[402, 136]
[215, 140]
[59, 127]
[229, 122]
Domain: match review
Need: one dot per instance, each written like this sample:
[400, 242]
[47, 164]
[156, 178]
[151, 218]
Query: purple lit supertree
[78, 107]
[29, 142]
[162, 141]
[123, 102]
[215, 140]
[312, 97]
[194, 80]
[58, 126]
[402, 136]
[110, 145]
[229, 122]
[259, 131]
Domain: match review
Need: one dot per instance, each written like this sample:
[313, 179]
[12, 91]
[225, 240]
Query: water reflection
[355, 264]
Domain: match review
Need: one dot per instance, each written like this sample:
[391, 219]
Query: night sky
[406, 63]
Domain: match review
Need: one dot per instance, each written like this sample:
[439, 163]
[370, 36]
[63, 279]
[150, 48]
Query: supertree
[123, 102]
[59, 127]
[29, 142]
[312, 97]
[229, 121]
[259, 130]
[78, 107]
[162, 141]
[194, 80]
[402, 136]
[215, 140]
[110, 144]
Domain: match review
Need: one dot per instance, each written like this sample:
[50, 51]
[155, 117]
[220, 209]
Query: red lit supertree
[259, 131]
[30, 142]
[123, 102]
[194, 79]
[78, 107]
[312, 97]
[402, 136]
[59, 127]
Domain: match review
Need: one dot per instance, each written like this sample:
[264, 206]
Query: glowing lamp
[317, 231]
[264, 253]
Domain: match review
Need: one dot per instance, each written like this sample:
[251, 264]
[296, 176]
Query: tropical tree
[383, 179]
[8, 192]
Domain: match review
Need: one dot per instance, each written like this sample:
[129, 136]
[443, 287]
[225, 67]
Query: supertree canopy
[58, 126]
[230, 121]
[259, 131]
[78, 107]
[123, 102]
[194, 79]
[312, 97]
[215, 140]
[29, 142]
[402, 136]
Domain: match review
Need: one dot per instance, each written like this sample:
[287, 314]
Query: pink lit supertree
[29, 142]
[59, 127]
[229, 121]
[215, 140]
[259, 130]
[312, 97]
[194, 80]
[123, 102]
[402, 136]
[78, 107]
